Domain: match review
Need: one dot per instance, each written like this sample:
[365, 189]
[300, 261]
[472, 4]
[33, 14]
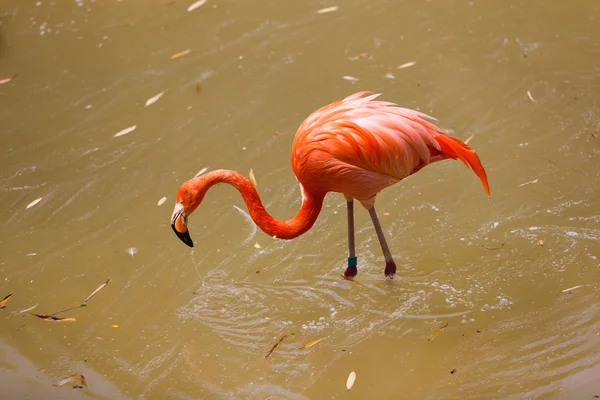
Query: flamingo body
[357, 146]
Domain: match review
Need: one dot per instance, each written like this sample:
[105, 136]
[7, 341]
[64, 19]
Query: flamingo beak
[179, 225]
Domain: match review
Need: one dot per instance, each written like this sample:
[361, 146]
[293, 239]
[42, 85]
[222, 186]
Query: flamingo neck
[289, 229]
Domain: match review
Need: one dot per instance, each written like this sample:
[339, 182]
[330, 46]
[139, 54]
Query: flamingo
[357, 146]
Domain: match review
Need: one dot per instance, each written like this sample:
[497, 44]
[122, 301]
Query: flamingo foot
[351, 272]
[390, 269]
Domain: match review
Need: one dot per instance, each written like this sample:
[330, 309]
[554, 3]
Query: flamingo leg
[351, 271]
[390, 265]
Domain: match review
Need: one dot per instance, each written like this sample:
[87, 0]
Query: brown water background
[521, 78]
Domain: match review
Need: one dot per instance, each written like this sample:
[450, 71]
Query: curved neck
[302, 222]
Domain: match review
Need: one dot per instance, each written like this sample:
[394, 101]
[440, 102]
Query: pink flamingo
[357, 146]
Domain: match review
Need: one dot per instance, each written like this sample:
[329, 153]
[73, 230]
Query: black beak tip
[185, 237]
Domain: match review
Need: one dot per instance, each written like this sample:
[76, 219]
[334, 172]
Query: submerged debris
[494, 248]
[529, 182]
[154, 99]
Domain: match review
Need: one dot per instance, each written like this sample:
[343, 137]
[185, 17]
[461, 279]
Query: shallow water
[521, 78]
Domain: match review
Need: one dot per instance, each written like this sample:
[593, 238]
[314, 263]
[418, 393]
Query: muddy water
[521, 78]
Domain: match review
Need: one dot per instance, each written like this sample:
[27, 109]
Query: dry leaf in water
[350, 381]
[53, 318]
[33, 203]
[97, 290]
[6, 80]
[4, 300]
[252, 177]
[25, 310]
[161, 201]
[197, 4]
[275, 345]
[327, 10]
[437, 332]
[154, 99]
[311, 344]
[181, 54]
[125, 131]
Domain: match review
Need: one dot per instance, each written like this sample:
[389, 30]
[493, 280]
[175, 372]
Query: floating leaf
[311, 344]
[181, 54]
[571, 288]
[5, 300]
[327, 10]
[406, 65]
[469, 139]
[541, 242]
[350, 380]
[125, 131]
[33, 203]
[97, 290]
[6, 80]
[154, 99]
[275, 345]
[23, 311]
[161, 201]
[437, 332]
[196, 5]
[252, 177]
[53, 318]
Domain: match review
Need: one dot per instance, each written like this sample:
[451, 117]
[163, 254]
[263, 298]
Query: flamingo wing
[370, 144]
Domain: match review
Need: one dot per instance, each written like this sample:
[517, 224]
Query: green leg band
[352, 261]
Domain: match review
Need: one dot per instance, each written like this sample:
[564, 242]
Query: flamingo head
[188, 198]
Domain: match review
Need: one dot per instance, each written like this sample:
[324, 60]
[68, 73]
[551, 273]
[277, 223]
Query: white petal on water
[125, 131]
[154, 99]
[203, 170]
[161, 201]
[406, 65]
[33, 203]
[350, 78]
[132, 250]
[327, 10]
[351, 379]
[197, 4]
